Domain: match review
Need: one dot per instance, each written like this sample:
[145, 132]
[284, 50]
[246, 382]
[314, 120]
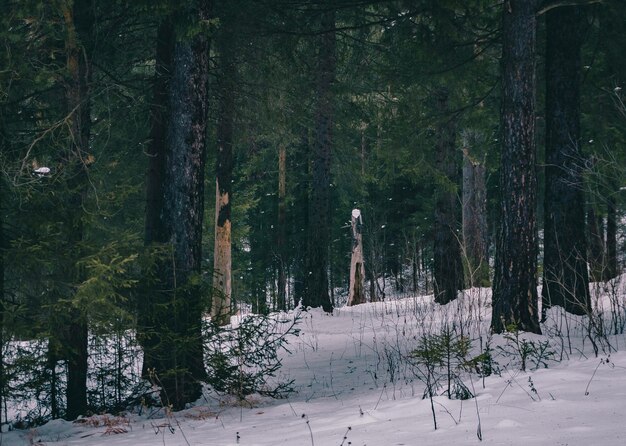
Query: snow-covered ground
[357, 384]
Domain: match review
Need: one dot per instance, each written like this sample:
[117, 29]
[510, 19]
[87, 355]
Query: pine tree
[318, 243]
[565, 277]
[174, 320]
[78, 21]
[448, 266]
[515, 300]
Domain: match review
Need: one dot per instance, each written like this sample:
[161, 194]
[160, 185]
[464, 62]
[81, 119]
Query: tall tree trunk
[565, 276]
[317, 293]
[515, 300]
[78, 21]
[222, 259]
[448, 266]
[281, 229]
[175, 325]
[147, 318]
[475, 227]
[183, 208]
[356, 293]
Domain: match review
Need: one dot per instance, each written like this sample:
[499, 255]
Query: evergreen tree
[318, 243]
[515, 300]
[565, 277]
[448, 266]
[175, 308]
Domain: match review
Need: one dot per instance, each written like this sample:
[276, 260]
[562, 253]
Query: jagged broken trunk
[356, 293]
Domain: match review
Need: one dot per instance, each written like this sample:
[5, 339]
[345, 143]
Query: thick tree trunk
[281, 228]
[475, 227]
[183, 208]
[317, 293]
[515, 300]
[448, 266]
[565, 276]
[174, 324]
[222, 259]
[356, 293]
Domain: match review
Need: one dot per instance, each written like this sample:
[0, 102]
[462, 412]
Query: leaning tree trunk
[356, 293]
[222, 258]
[565, 276]
[475, 228]
[316, 292]
[515, 300]
[448, 266]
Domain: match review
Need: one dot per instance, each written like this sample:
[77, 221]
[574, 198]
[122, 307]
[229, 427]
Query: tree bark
[565, 275]
[448, 266]
[356, 293]
[175, 351]
[515, 299]
[316, 292]
[183, 208]
[475, 229]
[222, 259]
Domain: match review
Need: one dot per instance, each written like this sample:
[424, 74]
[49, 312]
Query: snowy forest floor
[358, 383]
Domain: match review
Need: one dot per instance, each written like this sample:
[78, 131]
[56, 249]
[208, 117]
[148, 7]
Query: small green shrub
[244, 359]
[444, 356]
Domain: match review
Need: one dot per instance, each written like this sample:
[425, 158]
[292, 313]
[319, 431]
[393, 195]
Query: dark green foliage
[244, 359]
[444, 356]
[347, 89]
